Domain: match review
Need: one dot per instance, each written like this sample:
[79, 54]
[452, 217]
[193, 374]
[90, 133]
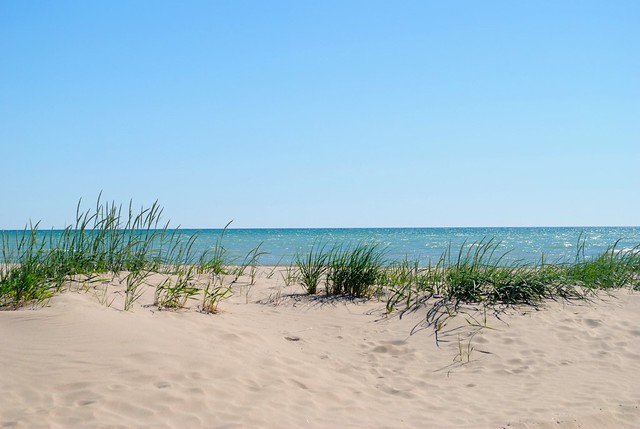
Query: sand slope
[302, 363]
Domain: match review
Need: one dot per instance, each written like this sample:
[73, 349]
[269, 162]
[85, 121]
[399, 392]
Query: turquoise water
[425, 244]
[527, 244]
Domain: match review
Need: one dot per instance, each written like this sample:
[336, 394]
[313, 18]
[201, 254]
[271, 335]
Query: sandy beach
[272, 357]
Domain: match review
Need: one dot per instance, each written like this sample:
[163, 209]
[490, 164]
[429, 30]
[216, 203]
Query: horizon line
[177, 227]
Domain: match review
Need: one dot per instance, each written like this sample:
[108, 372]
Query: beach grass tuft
[614, 268]
[354, 271]
[106, 238]
[311, 266]
[476, 275]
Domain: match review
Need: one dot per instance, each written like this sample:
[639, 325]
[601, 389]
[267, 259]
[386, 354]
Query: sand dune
[283, 360]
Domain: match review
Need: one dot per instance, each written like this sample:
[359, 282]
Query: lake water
[527, 244]
[425, 244]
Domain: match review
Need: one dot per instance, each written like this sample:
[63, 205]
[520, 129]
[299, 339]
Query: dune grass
[612, 269]
[312, 267]
[110, 238]
[477, 275]
[107, 238]
[354, 271]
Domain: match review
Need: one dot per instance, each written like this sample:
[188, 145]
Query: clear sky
[323, 114]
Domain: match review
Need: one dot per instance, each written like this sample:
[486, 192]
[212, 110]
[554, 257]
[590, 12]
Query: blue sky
[323, 114]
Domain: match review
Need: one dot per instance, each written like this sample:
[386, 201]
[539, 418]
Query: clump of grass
[478, 275]
[614, 268]
[107, 238]
[24, 275]
[22, 285]
[354, 272]
[350, 271]
[311, 268]
[100, 240]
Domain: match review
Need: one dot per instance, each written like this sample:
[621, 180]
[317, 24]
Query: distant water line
[558, 244]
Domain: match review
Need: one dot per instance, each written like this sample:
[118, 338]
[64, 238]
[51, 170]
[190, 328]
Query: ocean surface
[558, 244]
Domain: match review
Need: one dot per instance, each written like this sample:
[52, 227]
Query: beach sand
[279, 359]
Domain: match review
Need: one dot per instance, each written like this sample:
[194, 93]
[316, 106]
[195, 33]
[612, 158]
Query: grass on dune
[111, 239]
[312, 267]
[107, 238]
[354, 271]
[477, 275]
[346, 270]
[614, 268]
